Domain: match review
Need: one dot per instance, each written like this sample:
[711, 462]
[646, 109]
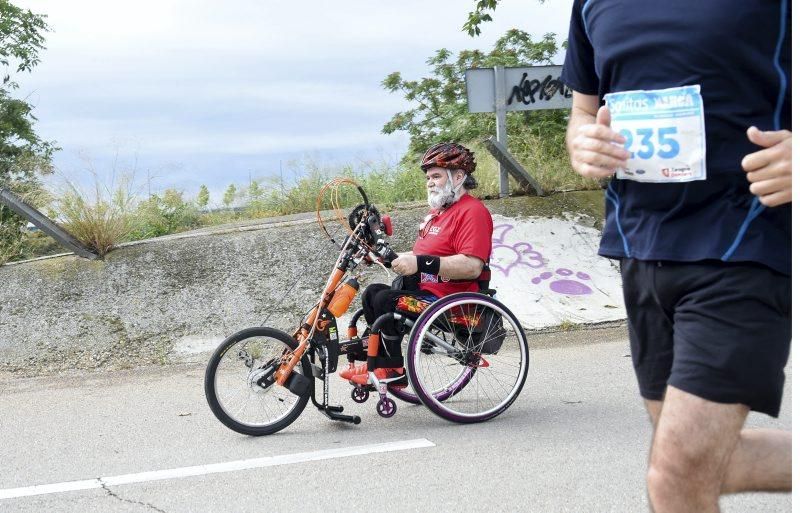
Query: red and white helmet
[448, 156]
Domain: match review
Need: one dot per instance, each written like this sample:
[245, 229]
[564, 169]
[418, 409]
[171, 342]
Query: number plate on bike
[664, 133]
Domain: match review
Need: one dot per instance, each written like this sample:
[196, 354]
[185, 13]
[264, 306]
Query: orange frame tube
[283, 372]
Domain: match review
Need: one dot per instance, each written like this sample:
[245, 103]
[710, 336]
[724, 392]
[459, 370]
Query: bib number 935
[668, 147]
[664, 133]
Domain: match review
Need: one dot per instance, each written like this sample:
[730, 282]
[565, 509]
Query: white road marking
[215, 468]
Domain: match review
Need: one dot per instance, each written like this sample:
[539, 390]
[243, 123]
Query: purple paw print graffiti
[506, 257]
[564, 284]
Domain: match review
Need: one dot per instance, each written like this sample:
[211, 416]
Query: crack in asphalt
[129, 501]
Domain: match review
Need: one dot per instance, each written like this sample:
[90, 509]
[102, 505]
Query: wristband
[428, 264]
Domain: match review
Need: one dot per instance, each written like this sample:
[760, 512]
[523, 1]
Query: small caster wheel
[360, 394]
[386, 408]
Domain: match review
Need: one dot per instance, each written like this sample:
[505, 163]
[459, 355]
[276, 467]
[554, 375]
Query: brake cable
[334, 184]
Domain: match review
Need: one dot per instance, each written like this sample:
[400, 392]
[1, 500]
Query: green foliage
[23, 155]
[165, 214]
[109, 217]
[253, 190]
[257, 199]
[439, 110]
[229, 196]
[480, 15]
[202, 197]
[20, 38]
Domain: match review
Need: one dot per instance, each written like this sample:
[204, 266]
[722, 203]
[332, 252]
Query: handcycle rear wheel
[487, 381]
[239, 382]
[446, 390]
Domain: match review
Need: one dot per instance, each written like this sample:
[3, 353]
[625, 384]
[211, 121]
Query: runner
[695, 133]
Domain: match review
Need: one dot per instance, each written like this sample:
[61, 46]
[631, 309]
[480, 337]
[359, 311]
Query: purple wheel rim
[431, 401]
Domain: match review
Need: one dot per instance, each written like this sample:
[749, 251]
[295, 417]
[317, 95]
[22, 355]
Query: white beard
[438, 195]
[441, 197]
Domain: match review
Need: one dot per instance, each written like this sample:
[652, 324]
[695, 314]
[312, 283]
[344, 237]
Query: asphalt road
[575, 441]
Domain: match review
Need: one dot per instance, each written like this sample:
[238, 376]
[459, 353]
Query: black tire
[228, 372]
[499, 373]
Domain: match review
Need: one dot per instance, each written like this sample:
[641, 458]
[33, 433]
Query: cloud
[246, 83]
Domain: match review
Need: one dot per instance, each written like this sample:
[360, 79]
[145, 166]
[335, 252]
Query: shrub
[101, 222]
[163, 215]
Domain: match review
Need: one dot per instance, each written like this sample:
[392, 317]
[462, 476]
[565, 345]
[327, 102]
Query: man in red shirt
[454, 243]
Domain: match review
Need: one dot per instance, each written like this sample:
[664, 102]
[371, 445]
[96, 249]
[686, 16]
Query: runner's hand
[595, 150]
[769, 171]
[405, 264]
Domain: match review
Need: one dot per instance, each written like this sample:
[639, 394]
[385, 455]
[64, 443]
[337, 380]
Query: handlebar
[388, 256]
[372, 229]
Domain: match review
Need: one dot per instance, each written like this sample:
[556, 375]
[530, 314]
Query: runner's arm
[590, 139]
[770, 170]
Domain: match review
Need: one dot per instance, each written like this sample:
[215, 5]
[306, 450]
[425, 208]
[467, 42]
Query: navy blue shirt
[739, 52]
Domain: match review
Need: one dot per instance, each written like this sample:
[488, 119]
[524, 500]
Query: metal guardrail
[45, 224]
[515, 168]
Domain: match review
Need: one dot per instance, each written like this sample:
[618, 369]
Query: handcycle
[466, 354]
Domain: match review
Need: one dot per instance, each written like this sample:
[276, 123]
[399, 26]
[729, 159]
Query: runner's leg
[692, 447]
[653, 410]
[762, 461]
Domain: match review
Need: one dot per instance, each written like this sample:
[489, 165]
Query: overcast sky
[216, 92]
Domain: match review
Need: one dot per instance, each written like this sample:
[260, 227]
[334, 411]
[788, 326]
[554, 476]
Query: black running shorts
[717, 330]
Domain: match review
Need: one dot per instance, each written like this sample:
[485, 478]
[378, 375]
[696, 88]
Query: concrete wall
[148, 301]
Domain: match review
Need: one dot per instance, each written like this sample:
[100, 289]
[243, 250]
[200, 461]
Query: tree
[202, 197]
[230, 194]
[480, 15]
[20, 38]
[23, 155]
[254, 191]
[440, 110]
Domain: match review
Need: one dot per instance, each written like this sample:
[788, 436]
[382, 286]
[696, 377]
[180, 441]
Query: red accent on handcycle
[387, 222]
[374, 345]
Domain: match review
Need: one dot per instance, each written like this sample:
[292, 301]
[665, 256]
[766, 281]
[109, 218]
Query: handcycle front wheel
[471, 345]
[240, 387]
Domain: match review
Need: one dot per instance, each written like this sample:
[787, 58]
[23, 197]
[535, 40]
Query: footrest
[353, 419]
[397, 382]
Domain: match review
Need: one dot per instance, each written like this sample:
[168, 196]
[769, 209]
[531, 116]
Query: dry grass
[100, 222]
[10, 249]
[110, 215]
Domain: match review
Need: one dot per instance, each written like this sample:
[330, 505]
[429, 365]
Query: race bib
[664, 133]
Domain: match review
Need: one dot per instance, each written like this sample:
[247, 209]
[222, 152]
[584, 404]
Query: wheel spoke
[232, 387]
[455, 386]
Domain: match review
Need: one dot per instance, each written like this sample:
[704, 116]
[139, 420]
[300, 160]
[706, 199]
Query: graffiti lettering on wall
[507, 257]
